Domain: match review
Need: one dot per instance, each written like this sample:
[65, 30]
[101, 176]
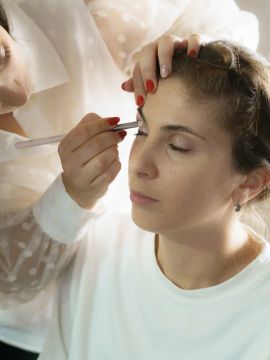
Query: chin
[145, 221]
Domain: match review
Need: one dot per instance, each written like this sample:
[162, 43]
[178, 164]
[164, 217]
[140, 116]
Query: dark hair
[4, 19]
[239, 80]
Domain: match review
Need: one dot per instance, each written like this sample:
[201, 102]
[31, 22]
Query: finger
[106, 178]
[83, 177]
[166, 47]
[139, 90]
[181, 44]
[148, 64]
[194, 44]
[90, 125]
[136, 57]
[128, 85]
[99, 164]
[95, 146]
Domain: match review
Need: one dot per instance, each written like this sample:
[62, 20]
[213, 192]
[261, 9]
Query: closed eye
[172, 147]
[176, 148]
[5, 54]
[140, 133]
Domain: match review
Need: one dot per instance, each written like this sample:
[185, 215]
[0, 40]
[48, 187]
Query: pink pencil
[59, 138]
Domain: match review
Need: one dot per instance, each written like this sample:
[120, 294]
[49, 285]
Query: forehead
[172, 103]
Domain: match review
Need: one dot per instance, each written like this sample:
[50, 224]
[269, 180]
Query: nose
[143, 161]
[13, 94]
[15, 82]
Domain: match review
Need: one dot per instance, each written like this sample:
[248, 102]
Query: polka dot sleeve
[127, 25]
[37, 242]
[123, 25]
[29, 258]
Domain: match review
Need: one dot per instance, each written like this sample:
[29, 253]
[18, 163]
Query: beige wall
[262, 9]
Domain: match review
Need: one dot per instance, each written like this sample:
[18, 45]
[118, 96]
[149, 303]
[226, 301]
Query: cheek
[196, 181]
[132, 156]
[133, 146]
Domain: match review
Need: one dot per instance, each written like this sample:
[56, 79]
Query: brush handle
[59, 138]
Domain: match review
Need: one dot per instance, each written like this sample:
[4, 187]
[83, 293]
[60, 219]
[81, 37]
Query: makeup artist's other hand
[89, 157]
[160, 52]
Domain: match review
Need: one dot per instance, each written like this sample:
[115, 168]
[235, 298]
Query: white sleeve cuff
[61, 217]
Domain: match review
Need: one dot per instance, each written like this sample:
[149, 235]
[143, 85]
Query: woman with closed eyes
[187, 274]
[60, 60]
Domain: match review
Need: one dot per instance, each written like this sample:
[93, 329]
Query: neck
[199, 259]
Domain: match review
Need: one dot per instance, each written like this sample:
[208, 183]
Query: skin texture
[14, 80]
[199, 234]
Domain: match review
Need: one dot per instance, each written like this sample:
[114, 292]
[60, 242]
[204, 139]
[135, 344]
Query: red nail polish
[192, 53]
[149, 85]
[113, 120]
[140, 100]
[122, 134]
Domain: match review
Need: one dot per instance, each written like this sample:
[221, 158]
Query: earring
[237, 207]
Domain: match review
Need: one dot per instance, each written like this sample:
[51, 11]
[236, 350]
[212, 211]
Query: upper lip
[143, 195]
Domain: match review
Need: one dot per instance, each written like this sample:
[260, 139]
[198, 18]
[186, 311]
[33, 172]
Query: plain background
[261, 8]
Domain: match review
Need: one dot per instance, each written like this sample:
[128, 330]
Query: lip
[140, 198]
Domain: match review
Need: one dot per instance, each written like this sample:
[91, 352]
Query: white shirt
[75, 68]
[114, 303]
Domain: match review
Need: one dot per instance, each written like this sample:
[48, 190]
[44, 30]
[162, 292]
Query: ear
[254, 183]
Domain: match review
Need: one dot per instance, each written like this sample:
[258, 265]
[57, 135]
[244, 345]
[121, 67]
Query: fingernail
[192, 53]
[113, 120]
[164, 71]
[149, 85]
[140, 100]
[122, 134]
[123, 86]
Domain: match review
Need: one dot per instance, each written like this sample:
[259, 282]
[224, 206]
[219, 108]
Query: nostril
[142, 174]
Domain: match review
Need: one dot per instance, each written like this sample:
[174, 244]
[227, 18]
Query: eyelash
[7, 56]
[140, 133]
[174, 148]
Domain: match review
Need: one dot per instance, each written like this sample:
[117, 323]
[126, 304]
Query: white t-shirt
[114, 303]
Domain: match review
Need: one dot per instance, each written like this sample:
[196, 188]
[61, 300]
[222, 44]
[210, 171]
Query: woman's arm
[126, 27]
[122, 26]
[37, 242]
[218, 20]
[127, 30]
[37, 238]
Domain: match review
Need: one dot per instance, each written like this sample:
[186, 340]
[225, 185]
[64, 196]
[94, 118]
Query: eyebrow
[179, 128]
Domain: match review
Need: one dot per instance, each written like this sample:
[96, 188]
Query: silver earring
[237, 207]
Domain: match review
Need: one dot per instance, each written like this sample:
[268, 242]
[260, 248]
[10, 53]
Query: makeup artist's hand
[161, 51]
[89, 157]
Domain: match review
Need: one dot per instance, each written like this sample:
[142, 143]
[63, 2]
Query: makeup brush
[59, 138]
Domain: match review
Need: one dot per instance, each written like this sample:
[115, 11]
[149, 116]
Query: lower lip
[137, 199]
